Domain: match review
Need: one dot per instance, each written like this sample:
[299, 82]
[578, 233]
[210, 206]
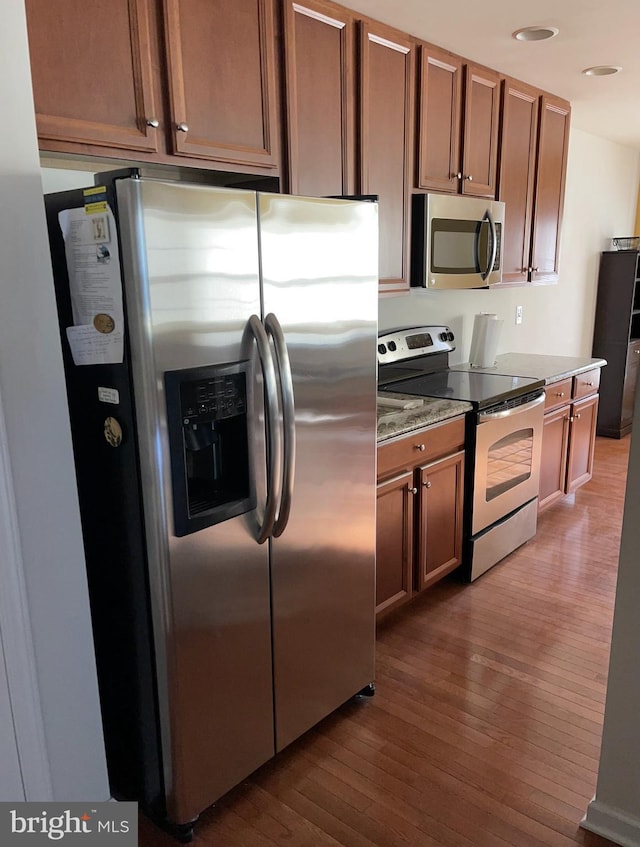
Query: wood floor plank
[485, 728]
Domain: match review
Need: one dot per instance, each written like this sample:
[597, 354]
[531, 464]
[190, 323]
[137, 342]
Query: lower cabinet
[394, 542]
[440, 490]
[568, 440]
[420, 502]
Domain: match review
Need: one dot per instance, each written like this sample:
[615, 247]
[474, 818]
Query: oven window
[509, 462]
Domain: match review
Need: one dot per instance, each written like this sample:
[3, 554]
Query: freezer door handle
[274, 453]
[274, 329]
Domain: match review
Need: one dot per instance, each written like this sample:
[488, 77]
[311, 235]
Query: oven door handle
[484, 417]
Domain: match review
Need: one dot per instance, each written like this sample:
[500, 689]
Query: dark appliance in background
[503, 437]
[223, 412]
[456, 241]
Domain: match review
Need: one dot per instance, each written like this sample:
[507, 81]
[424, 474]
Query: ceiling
[591, 33]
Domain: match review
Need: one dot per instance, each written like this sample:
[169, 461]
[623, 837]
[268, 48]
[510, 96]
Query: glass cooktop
[480, 389]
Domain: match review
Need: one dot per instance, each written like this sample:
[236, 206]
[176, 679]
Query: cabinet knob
[427, 484]
[154, 122]
[559, 393]
[419, 447]
[182, 127]
[412, 490]
[535, 270]
[458, 175]
[577, 416]
[469, 177]
[637, 352]
[590, 384]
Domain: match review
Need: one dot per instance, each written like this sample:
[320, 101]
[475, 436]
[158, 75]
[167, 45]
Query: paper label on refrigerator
[93, 265]
[108, 395]
[90, 347]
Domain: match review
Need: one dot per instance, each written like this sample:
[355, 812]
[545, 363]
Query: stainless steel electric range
[503, 437]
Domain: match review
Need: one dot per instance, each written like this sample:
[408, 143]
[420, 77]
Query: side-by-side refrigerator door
[319, 265]
[192, 284]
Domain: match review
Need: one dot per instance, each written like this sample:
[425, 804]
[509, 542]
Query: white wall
[39, 444]
[600, 202]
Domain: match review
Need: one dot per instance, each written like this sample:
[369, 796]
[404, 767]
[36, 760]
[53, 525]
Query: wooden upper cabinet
[480, 145]
[458, 125]
[386, 97]
[533, 161]
[516, 176]
[92, 73]
[221, 64]
[439, 121]
[553, 144]
[320, 94]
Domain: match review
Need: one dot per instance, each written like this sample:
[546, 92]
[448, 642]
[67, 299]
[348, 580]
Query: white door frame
[16, 638]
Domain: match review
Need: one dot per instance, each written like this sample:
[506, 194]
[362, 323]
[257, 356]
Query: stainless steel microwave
[456, 241]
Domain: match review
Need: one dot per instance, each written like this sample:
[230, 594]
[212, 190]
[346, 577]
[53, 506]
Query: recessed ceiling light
[602, 70]
[535, 33]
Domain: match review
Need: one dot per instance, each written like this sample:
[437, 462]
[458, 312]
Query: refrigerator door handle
[274, 329]
[274, 453]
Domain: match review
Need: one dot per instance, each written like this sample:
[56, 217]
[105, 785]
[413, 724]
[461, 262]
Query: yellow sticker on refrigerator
[95, 200]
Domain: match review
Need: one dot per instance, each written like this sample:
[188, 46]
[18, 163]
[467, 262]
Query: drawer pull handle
[420, 447]
[427, 484]
[412, 490]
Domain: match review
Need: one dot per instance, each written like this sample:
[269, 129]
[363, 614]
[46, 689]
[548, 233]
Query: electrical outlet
[518, 314]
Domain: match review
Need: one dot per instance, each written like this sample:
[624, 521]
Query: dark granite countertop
[539, 365]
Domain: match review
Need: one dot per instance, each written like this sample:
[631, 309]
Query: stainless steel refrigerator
[226, 470]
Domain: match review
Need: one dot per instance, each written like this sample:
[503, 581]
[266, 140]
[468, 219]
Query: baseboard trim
[613, 824]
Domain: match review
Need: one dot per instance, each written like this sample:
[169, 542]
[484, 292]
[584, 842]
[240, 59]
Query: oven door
[507, 461]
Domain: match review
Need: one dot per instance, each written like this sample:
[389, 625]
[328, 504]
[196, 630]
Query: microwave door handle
[486, 219]
[494, 243]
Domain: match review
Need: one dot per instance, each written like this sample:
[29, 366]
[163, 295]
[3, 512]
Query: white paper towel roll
[484, 341]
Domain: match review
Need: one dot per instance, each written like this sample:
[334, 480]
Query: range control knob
[381, 348]
[392, 346]
[450, 336]
[443, 336]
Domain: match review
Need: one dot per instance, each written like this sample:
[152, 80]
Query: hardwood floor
[485, 728]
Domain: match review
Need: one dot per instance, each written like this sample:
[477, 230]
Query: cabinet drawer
[419, 447]
[586, 383]
[558, 394]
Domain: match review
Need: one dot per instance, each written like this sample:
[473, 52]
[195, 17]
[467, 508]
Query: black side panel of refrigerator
[113, 531]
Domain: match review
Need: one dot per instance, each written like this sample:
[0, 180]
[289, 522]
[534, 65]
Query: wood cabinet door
[480, 145]
[320, 98]
[92, 74]
[439, 120]
[553, 144]
[516, 175]
[386, 109]
[221, 64]
[581, 442]
[553, 462]
[441, 489]
[629, 385]
[394, 542]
